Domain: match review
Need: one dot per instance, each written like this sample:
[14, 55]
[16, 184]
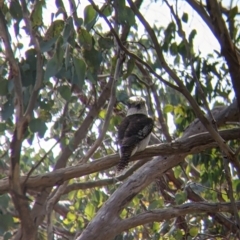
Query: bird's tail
[123, 163]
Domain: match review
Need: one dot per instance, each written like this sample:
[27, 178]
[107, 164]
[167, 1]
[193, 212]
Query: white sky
[159, 14]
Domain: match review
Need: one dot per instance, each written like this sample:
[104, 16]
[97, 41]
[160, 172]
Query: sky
[159, 14]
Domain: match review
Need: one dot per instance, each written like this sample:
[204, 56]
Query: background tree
[63, 84]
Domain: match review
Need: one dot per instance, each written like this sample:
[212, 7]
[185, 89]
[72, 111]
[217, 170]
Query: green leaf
[55, 29]
[102, 114]
[174, 49]
[130, 16]
[130, 67]
[126, 15]
[193, 231]
[120, 6]
[36, 15]
[4, 200]
[6, 223]
[52, 68]
[180, 197]
[30, 138]
[93, 59]
[90, 16]
[80, 69]
[106, 43]
[59, 52]
[182, 49]
[122, 96]
[78, 22]
[107, 11]
[71, 216]
[177, 234]
[7, 110]
[233, 12]
[59, 4]
[89, 211]
[68, 29]
[177, 60]
[168, 108]
[7, 236]
[46, 46]
[85, 38]
[15, 9]
[65, 92]
[37, 125]
[185, 17]
[55, 63]
[3, 87]
[155, 204]
[192, 35]
[3, 127]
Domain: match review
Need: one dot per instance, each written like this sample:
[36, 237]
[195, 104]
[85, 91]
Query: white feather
[134, 110]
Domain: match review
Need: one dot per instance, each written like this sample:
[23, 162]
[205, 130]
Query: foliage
[66, 71]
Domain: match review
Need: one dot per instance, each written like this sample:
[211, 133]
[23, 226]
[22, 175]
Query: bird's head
[136, 105]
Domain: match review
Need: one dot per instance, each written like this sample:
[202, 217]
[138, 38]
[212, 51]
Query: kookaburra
[134, 131]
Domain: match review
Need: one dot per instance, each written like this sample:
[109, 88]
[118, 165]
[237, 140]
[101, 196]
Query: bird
[134, 131]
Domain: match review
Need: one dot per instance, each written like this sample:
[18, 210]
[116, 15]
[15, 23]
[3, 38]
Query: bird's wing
[131, 132]
[133, 129]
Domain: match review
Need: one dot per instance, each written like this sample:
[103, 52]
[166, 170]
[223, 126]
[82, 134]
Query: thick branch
[169, 213]
[19, 199]
[190, 145]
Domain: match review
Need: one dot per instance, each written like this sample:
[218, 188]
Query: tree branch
[190, 145]
[105, 182]
[19, 199]
[176, 211]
